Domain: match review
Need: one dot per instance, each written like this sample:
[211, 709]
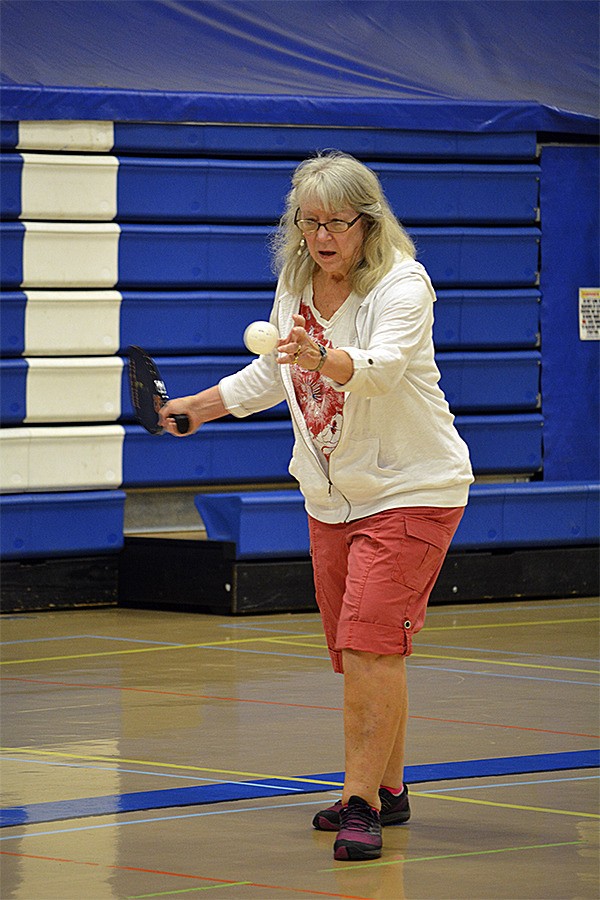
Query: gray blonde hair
[336, 181]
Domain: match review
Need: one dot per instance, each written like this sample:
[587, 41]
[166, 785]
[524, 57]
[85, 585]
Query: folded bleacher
[158, 235]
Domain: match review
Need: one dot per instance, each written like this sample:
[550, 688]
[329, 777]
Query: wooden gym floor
[160, 754]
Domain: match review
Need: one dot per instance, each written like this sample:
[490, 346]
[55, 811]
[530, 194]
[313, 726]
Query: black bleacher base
[34, 585]
[205, 576]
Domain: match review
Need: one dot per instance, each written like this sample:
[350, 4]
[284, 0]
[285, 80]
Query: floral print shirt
[321, 405]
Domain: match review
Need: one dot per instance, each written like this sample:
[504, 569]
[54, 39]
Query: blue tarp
[453, 65]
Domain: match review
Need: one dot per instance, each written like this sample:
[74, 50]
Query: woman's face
[334, 253]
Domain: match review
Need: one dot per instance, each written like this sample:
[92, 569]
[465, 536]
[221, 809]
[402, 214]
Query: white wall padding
[74, 389]
[72, 323]
[65, 254]
[66, 136]
[55, 459]
[69, 187]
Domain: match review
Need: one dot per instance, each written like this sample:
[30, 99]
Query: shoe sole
[323, 824]
[355, 853]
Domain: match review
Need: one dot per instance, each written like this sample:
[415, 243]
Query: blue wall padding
[472, 381]
[13, 396]
[506, 443]
[194, 255]
[202, 190]
[237, 256]
[450, 194]
[61, 524]
[248, 140]
[12, 316]
[169, 256]
[493, 257]
[272, 523]
[9, 135]
[165, 322]
[484, 319]
[411, 65]
[281, 141]
[191, 322]
[570, 255]
[490, 381]
[253, 450]
[219, 452]
[252, 191]
[10, 186]
[214, 321]
[497, 516]
[11, 254]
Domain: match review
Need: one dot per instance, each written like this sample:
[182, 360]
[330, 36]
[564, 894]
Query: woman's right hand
[181, 406]
[199, 408]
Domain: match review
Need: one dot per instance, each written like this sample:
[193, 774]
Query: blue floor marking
[36, 813]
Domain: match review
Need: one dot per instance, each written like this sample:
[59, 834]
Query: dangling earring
[301, 247]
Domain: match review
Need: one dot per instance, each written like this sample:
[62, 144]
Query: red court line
[115, 687]
[272, 887]
[500, 725]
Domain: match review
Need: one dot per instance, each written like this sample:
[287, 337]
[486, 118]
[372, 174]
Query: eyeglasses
[335, 226]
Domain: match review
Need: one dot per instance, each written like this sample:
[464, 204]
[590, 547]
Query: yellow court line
[262, 776]
[322, 646]
[492, 662]
[159, 765]
[203, 644]
[498, 662]
[162, 648]
[558, 812]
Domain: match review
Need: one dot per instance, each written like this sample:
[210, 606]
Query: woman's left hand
[298, 348]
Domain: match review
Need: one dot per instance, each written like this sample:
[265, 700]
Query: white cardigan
[398, 445]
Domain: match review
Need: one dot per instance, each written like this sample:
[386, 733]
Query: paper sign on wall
[589, 314]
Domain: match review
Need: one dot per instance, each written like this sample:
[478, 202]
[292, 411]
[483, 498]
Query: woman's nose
[322, 233]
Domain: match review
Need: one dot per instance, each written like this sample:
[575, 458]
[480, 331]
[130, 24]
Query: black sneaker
[394, 811]
[359, 836]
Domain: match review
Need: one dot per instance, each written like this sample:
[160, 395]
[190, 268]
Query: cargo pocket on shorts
[422, 552]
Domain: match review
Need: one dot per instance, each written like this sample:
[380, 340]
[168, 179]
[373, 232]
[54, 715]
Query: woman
[383, 472]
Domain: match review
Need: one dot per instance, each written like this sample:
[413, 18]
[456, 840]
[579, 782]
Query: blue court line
[587, 659]
[415, 665]
[53, 811]
[197, 815]
[509, 784]
[245, 809]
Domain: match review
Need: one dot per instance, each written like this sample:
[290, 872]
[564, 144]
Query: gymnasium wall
[170, 251]
[142, 215]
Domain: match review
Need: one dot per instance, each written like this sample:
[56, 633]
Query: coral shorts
[373, 576]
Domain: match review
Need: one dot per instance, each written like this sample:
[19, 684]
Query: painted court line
[395, 862]
[209, 887]
[282, 703]
[156, 819]
[222, 881]
[509, 784]
[229, 811]
[229, 642]
[230, 791]
[586, 659]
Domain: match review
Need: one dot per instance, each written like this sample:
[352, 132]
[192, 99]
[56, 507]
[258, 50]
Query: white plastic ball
[261, 337]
